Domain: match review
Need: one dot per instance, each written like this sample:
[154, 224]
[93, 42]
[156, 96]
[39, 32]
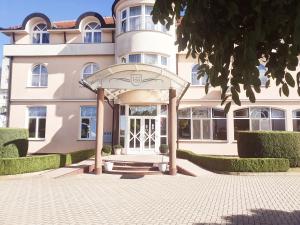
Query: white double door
[143, 135]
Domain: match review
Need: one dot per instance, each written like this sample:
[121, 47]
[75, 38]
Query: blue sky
[13, 12]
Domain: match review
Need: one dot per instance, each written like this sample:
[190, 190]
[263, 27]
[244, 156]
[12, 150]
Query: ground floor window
[296, 120]
[258, 118]
[202, 124]
[88, 122]
[163, 124]
[37, 122]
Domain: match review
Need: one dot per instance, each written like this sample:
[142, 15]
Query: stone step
[130, 163]
[134, 172]
[135, 168]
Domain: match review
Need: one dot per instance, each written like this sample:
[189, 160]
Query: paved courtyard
[111, 199]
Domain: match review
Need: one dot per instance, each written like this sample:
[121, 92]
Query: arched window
[92, 33]
[40, 34]
[200, 123]
[39, 76]
[194, 79]
[296, 120]
[89, 70]
[258, 118]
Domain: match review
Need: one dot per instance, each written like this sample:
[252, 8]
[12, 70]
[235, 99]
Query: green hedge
[270, 144]
[232, 164]
[13, 142]
[11, 166]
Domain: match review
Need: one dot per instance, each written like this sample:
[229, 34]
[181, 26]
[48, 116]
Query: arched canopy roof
[34, 15]
[121, 78]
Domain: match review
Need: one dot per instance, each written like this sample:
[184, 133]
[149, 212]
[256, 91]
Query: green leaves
[236, 38]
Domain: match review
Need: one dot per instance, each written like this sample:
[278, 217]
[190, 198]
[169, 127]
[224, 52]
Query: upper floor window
[139, 18]
[296, 120]
[39, 76]
[37, 122]
[40, 34]
[147, 58]
[262, 71]
[194, 77]
[89, 70]
[92, 33]
[202, 124]
[258, 118]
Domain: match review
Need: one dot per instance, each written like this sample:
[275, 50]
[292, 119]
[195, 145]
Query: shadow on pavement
[261, 216]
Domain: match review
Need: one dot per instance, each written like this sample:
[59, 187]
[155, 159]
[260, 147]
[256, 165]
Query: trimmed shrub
[270, 144]
[106, 150]
[11, 166]
[232, 164]
[13, 142]
[75, 157]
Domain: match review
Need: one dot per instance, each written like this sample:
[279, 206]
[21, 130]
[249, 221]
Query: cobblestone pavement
[110, 199]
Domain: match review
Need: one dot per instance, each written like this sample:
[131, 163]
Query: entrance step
[133, 168]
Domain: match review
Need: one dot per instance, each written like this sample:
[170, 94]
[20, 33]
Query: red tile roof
[67, 24]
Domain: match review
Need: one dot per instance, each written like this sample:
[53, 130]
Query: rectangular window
[164, 61]
[184, 128]
[135, 18]
[151, 59]
[241, 125]
[37, 122]
[88, 122]
[135, 58]
[296, 125]
[219, 129]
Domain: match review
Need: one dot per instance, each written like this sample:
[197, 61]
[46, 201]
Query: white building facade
[135, 61]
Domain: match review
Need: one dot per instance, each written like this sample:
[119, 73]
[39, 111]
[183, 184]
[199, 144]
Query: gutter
[9, 90]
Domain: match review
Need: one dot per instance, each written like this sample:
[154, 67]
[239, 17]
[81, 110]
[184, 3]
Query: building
[138, 69]
[3, 92]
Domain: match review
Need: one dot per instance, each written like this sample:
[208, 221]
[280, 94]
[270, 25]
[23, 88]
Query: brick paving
[110, 199]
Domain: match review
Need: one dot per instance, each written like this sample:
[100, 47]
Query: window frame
[41, 33]
[210, 118]
[92, 31]
[31, 74]
[202, 81]
[90, 119]
[270, 117]
[158, 62]
[157, 27]
[37, 118]
[295, 118]
[92, 64]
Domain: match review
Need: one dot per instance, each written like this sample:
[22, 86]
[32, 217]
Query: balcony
[59, 49]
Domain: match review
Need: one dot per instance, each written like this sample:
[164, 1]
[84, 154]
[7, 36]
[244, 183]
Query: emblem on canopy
[136, 79]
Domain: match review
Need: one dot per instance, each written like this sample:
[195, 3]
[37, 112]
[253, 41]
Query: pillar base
[173, 171]
[97, 171]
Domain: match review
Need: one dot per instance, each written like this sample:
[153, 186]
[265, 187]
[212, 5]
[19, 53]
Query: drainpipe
[9, 90]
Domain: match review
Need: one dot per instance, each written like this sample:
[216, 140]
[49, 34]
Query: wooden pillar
[99, 133]
[172, 133]
[116, 117]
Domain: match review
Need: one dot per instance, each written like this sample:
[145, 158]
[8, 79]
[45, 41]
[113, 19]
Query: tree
[232, 37]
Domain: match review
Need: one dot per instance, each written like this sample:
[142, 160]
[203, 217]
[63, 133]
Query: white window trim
[270, 118]
[93, 33]
[295, 118]
[89, 64]
[29, 80]
[211, 118]
[201, 80]
[159, 57]
[157, 27]
[41, 32]
[37, 123]
[85, 117]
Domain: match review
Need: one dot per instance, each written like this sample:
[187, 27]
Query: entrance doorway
[143, 128]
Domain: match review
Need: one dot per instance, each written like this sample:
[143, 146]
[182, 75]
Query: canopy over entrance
[121, 78]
